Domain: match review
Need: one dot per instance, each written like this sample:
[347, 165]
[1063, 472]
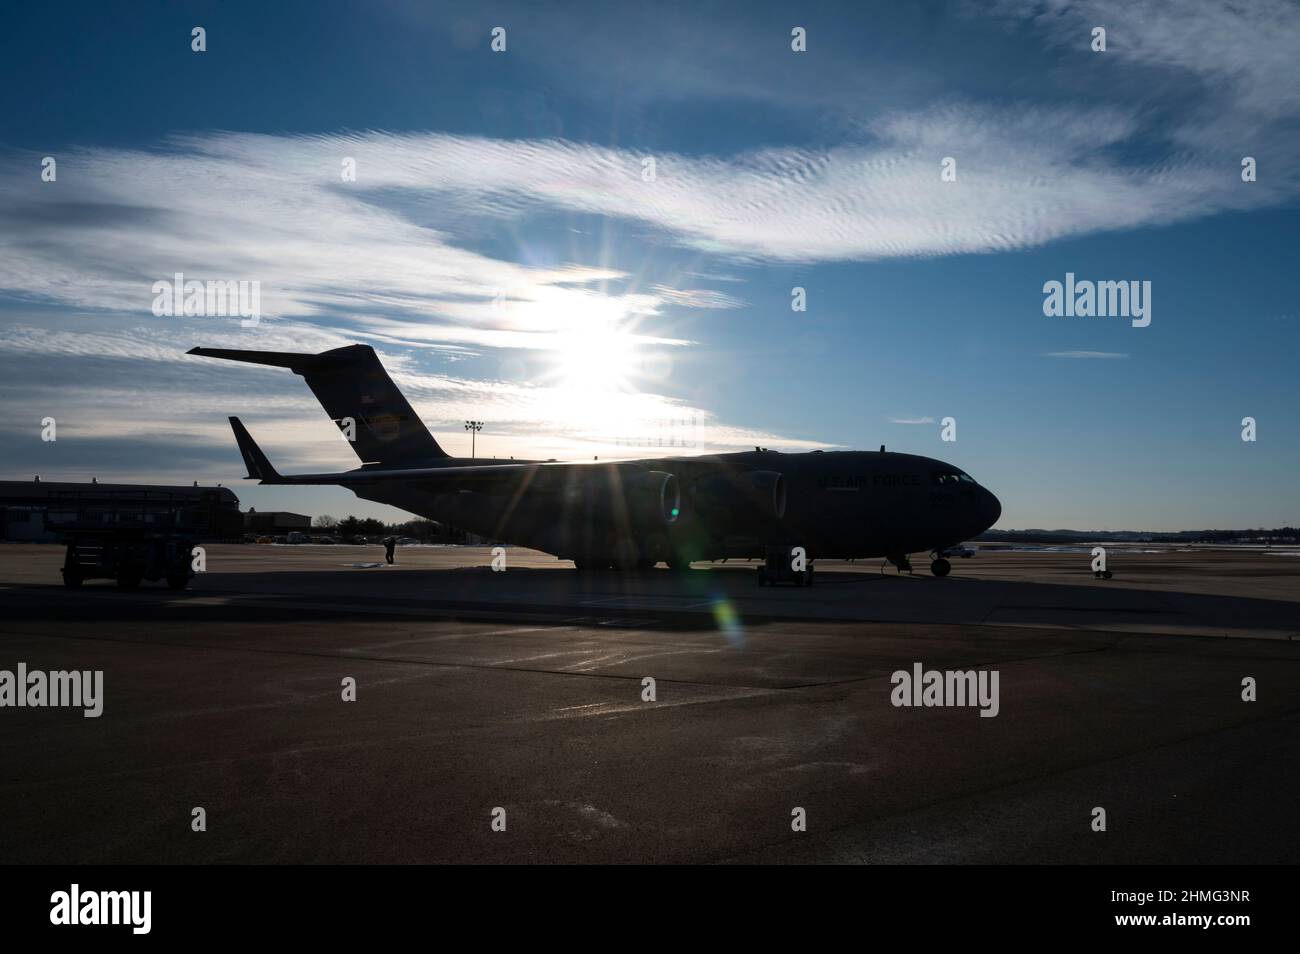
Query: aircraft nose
[990, 508]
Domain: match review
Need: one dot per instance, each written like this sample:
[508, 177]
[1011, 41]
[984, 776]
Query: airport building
[27, 507]
[275, 521]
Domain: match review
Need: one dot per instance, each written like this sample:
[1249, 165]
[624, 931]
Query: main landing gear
[902, 562]
[939, 564]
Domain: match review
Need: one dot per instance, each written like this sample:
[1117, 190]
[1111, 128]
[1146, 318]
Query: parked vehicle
[128, 537]
[778, 567]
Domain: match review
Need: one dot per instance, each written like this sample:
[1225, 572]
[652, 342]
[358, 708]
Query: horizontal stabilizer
[279, 359]
[359, 396]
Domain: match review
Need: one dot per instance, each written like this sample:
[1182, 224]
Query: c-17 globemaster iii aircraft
[634, 513]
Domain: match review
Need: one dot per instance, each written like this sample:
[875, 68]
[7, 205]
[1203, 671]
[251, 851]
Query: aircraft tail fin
[259, 468]
[357, 394]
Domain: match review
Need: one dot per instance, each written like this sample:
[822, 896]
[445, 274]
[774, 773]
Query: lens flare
[728, 621]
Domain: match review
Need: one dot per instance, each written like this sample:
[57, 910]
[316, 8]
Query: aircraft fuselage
[835, 504]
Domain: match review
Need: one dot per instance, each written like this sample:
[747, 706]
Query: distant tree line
[426, 531]
[1279, 535]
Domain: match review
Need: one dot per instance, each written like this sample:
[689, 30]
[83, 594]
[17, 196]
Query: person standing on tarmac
[389, 544]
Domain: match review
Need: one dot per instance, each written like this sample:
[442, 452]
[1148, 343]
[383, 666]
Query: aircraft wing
[450, 476]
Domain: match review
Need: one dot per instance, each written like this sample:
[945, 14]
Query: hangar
[25, 505]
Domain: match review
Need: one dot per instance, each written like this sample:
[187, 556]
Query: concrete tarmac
[523, 691]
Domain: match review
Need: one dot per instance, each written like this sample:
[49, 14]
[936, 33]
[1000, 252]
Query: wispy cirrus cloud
[1025, 177]
[1084, 354]
[698, 297]
[1242, 53]
[276, 207]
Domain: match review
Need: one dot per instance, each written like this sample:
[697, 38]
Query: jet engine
[655, 496]
[752, 492]
[646, 500]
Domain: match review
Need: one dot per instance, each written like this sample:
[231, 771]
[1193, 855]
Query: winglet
[259, 467]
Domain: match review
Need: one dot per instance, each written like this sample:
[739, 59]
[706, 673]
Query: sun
[594, 360]
[595, 345]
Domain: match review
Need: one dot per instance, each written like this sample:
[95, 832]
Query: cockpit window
[946, 477]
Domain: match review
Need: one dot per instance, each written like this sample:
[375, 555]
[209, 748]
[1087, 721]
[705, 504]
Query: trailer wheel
[72, 581]
[128, 581]
[178, 582]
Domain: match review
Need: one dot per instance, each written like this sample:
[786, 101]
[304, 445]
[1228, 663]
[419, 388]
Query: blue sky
[503, 251]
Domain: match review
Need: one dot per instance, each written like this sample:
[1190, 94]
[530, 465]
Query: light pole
[474, 427]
